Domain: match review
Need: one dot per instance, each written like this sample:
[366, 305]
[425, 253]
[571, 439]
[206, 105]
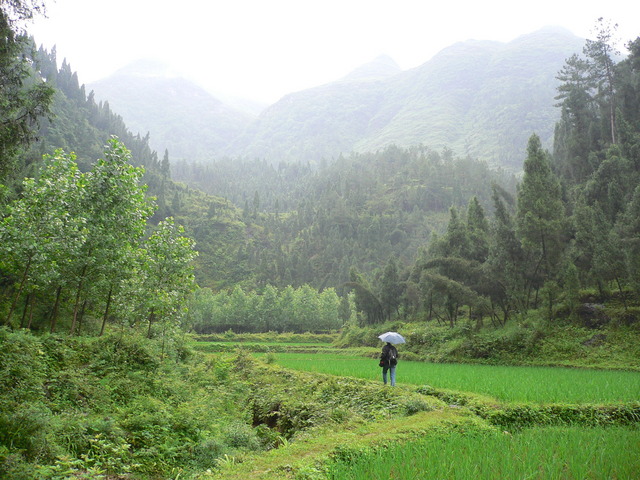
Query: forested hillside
[312, 226]
[445, 228]
[569, 227]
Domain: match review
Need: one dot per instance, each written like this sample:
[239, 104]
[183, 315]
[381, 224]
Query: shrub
[206, 453]
[240, 435]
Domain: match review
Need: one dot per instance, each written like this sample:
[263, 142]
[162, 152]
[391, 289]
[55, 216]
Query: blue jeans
[392, 371]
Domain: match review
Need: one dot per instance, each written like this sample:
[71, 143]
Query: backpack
[393, 356]
[389, 358]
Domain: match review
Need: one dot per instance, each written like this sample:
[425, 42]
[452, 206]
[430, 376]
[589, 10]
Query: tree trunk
[163, 343]
[624, 300]
[33, 298]
[106, 311]
[26, 307]
[19, 292]
[54, 314]
[76, 305]
[84, 305]
[152, 315]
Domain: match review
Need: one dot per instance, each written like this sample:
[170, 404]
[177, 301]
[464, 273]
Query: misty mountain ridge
[379, 68]
[478, 98]
[180, 116]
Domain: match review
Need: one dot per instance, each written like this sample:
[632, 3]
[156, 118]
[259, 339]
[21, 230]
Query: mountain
[179, 115]
[381, 67]
[478, 98]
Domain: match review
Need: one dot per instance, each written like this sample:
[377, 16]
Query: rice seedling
[537, 453]
[507, 383]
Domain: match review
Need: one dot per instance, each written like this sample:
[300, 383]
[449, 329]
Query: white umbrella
[392, 337]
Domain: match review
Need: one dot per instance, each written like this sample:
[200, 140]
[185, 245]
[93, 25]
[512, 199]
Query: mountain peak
[148, 67]
[379, 68]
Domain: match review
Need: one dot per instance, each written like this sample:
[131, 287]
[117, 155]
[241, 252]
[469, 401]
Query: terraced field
[446, 421]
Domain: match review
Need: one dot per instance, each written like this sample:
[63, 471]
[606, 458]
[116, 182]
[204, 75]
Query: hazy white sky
[263, 49]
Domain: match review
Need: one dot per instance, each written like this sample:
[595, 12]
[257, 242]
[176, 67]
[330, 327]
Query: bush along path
[520, 414]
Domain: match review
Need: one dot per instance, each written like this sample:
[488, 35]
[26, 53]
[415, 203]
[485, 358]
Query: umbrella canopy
[392, 337]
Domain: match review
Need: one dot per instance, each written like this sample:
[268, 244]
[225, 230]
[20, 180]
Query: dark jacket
[389, 356]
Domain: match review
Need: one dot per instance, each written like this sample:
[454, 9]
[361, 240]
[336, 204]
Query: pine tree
[600, 54]
[24, 98]
[540, 215]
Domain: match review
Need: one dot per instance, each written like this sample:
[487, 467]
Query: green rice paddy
[518, 384]
[539, 453]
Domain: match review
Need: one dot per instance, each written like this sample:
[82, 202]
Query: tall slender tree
[168, 270]
[600, 54]
[540, 215]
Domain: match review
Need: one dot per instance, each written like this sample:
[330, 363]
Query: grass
[512, 384]
[537, 453]
[304, 459]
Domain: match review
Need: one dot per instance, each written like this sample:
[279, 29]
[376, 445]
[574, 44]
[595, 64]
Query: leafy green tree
[307, 309]
[44, 228]
[165, 166]
[287, 310]
[116, 211]
[329, 311]
[168, 273]
[477, 231]
[365, 300]
[575, 135]
[445, 295]
[611, 185]
[455, 242]
[505, 260]
[629, 234]
[269, 310]
[202, 314]
[345, 310]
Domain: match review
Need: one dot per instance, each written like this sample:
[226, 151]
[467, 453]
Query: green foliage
[109, 406]
[268, 337]
[76, 239]
[25, 97]
[517, 416]
[608, 341]
[292, 403]
[313, 225]
[295, 310]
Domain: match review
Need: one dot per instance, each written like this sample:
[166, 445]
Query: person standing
[388, 362]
